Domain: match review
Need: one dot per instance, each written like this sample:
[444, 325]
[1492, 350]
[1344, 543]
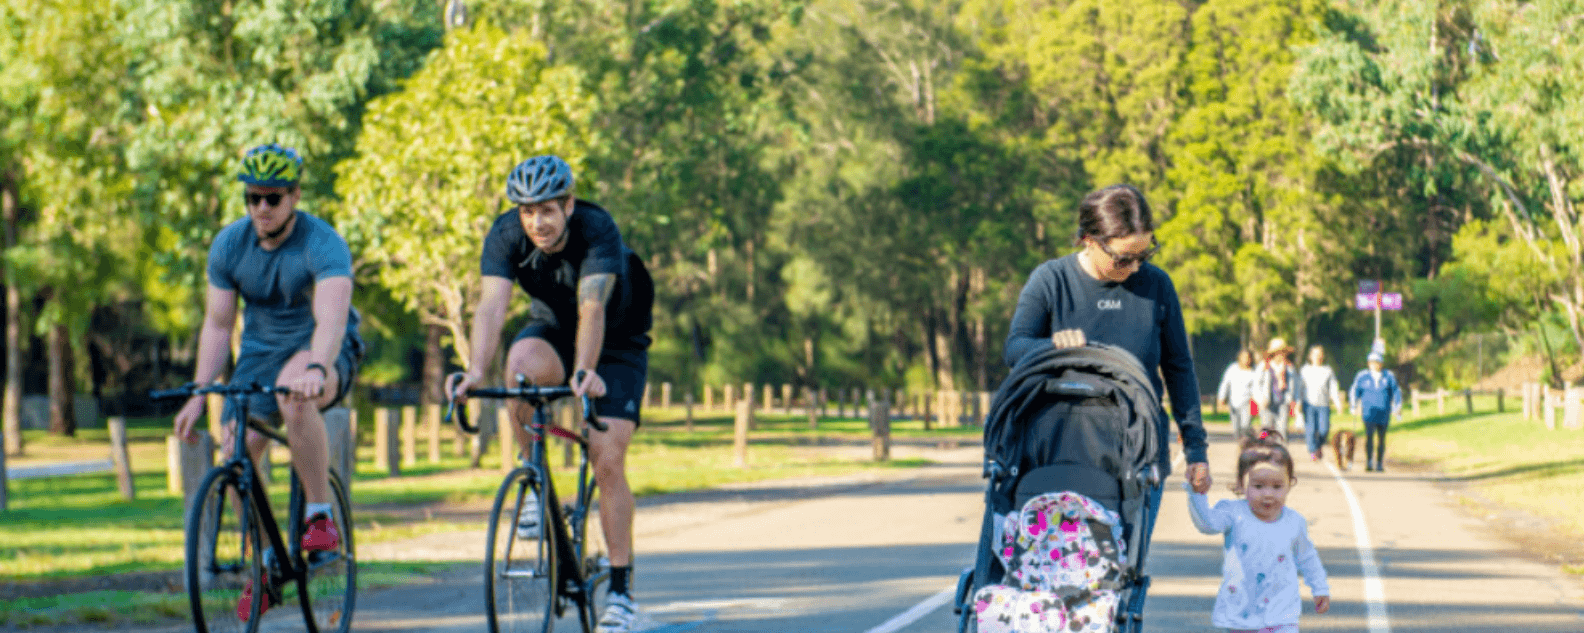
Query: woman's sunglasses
[1123, 261]
[273, 199]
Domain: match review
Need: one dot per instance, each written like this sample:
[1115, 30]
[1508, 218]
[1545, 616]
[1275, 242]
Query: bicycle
[233, 540]
[529, 585]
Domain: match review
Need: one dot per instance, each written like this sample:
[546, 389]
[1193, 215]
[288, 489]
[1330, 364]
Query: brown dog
[1342, 446]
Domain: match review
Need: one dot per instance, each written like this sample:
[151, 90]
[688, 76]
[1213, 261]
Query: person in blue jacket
[1376, 399]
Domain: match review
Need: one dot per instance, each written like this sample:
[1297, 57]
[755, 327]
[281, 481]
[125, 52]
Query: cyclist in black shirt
[591, 310]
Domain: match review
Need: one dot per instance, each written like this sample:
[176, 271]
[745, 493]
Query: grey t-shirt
[277, 286]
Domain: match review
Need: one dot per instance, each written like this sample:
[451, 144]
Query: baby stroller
[1071, 448]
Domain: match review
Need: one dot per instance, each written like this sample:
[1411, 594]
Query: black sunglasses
[271, 199]
[1124, 261]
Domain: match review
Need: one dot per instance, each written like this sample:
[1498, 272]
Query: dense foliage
[828, 191]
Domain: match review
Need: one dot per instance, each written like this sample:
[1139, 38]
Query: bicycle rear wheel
[328, 591]
[519, 574]
[223, 557]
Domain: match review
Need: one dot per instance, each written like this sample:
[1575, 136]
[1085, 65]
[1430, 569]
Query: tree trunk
[12, 407]
[62, 420]
[981, 343]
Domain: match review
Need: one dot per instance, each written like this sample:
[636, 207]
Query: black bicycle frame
[534, 460]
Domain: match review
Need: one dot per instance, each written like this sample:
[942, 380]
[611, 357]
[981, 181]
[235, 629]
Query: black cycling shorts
[624, 371]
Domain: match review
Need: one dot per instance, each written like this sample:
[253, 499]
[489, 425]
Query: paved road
[874, 555]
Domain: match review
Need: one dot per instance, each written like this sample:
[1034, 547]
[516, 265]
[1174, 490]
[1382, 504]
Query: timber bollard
[508, 438]
[120, 457]
[743, 421]
[1468, 399]
[482, 410]
[813, 413]
[1572, 409]
[387, 440]
[341, 439]
[186, 463]
[409, 435]
[1501, 397]
[665, 395]
[431, 422]
[1547, 411]
[687, 405]
[880, 426]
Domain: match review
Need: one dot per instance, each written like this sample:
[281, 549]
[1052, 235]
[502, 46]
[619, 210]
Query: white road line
[1374, 588]
[918, 611]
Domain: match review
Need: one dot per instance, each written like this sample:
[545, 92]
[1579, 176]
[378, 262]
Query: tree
[428, 178]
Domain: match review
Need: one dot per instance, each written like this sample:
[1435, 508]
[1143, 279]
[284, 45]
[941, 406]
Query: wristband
[323, 373]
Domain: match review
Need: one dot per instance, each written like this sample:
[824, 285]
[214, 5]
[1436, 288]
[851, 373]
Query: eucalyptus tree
[1387, 83]
[428, 177]
[1244, 242]
[210, 79]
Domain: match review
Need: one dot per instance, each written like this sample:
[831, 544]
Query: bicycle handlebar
[192, 389]
[541, 395]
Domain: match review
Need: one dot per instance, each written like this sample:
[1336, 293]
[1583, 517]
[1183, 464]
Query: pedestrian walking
[1320, 392]
[1237, 391]
[1266, 544]
[1377, 399]
[1277, 389]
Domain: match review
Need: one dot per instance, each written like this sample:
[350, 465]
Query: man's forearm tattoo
[596, 288]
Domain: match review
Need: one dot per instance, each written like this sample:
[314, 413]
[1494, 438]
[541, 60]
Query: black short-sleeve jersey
[594, 245]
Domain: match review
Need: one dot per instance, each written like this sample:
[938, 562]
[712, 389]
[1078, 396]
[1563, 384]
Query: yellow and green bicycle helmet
[271, 165]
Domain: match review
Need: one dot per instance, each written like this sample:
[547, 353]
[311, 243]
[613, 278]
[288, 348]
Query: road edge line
[1374, 587]
[916, 613]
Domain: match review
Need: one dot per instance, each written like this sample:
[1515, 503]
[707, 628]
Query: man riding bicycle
[300, 331]
[591, 310]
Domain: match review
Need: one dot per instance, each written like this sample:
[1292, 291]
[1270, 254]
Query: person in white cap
[1376, 399]
[1277, 387]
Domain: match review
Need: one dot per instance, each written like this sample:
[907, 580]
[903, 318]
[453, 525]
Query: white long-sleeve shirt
[1237, 386]
[1320, 387]
[1260, 565]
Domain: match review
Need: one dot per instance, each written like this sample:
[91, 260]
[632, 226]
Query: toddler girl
[1266, 545]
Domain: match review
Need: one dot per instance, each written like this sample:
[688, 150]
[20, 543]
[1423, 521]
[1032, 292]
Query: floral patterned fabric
[1060, 577]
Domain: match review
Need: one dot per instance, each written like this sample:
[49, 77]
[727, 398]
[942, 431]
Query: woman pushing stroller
[1108, 292]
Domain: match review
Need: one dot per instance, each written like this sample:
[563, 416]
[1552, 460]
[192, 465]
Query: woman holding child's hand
[1108, 292]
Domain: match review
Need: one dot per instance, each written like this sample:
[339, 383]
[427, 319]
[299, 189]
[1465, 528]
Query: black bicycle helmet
[538, 179]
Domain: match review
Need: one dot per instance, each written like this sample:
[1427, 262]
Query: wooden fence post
[1547, 411]
[1468, 399]
[687, 404]
[709, 398]
[665, 395]
[409, 435]
[187, 463]
[569, 417]
[880, 426]
[1501, 398]
[119, 456]
[431, 421]
[387, 440]
[482, 411]
[1414, 396]
[341, 442]
[508, 438]
[1441, 394]
[1573, 409]
[729, 396]
[1529, 390]
[743, 421]
[823, 402]
[786, 399]
[813, 413]
[769, 398]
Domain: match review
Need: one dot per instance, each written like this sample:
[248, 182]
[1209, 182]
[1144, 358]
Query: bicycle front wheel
[224, 561]
[328, 590]
[520, 573]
